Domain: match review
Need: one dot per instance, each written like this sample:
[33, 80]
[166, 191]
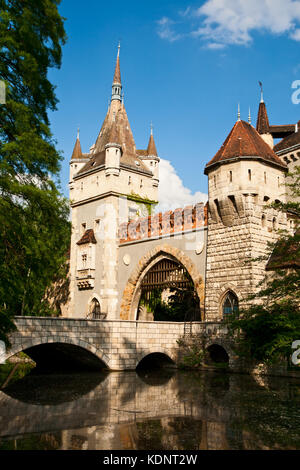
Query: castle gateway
[126, 260]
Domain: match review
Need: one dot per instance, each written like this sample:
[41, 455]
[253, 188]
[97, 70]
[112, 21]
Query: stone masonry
[119, 344]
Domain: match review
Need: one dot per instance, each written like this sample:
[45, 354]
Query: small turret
[113, 152]
[150, 158]
[262, 124]
[78, 160]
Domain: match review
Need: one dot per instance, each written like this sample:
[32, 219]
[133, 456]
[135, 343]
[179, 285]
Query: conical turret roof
[245, 142]
[262, 124]
[77, 152]
[151, 149]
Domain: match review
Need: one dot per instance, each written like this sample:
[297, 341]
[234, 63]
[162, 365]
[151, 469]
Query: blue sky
[185, 66]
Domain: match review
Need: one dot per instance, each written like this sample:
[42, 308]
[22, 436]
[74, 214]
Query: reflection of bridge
[101, 417]
[114, 409]
[117, 344]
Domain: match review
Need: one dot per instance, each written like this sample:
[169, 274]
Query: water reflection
[163, 410]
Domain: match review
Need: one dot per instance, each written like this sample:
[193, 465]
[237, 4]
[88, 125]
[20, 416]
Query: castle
[122, 253]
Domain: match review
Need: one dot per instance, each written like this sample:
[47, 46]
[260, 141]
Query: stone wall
[119, 344]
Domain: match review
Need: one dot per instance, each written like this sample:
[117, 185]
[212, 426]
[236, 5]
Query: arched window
[230, 304]
[95, 311]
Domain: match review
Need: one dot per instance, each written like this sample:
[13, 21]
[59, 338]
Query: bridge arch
[59, 339]
[156, 350]
[219, 343]
[130, 297]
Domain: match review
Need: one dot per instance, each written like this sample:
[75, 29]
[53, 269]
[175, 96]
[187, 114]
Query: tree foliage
[35, 232]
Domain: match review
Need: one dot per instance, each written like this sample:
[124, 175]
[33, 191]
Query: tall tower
[243, 177]
[111, 185]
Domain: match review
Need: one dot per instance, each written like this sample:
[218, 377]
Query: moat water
[158, 410]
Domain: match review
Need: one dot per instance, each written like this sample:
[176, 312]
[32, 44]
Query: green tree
[34, 227]
[265, 331]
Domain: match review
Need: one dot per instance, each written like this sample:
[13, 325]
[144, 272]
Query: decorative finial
[261, 92]
[249, 116]
[78, 132]
[239, 113]
[151, 128]
[119, 47]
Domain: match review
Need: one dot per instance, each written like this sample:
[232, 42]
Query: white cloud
[172, 193]
[166, 29]
[226, 22]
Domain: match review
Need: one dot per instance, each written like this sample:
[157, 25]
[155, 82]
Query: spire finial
[151, 128]
[78, 129]
[239, 113]
[117, 86]
[261, 92]
[249, 116]
[119, 47]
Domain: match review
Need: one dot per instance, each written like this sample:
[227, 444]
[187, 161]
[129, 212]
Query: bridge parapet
[120, 344]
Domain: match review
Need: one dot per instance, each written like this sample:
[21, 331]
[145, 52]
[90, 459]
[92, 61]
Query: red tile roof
[87, 237]
[151, 147]
[287, 142]
[244, 142]
[262, 124]
[282, 130]
[77, 152]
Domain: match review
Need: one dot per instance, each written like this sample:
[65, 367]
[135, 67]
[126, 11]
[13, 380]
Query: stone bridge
[115, 344]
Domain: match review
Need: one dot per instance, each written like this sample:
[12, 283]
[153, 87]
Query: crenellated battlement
[167, 223]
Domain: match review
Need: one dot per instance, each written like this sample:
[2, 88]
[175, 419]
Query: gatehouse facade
[122, 251]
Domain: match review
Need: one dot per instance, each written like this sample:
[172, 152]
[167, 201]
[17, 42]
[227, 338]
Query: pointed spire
[151, 150]
[261, 92]
[77, 152]
[239, 113]
[262, 123]
[117, 86]
[249, 116]
[117, 75]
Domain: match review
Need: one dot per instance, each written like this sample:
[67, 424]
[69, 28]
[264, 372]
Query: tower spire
[151, 149]
[117, 86]
[262, 123]
[77, 152]
[261, 92]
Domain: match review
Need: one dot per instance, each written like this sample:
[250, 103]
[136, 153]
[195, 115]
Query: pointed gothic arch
[131, 294]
